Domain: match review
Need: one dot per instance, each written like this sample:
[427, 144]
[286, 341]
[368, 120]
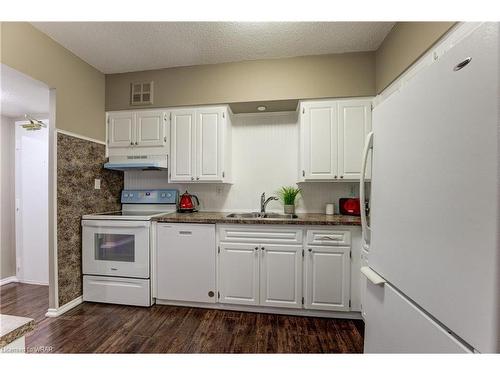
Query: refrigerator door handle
[365, 229]
[371, 275]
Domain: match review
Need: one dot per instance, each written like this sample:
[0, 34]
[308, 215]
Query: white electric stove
[116, 248]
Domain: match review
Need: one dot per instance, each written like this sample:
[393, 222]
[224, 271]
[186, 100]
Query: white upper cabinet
[200, 145]
[138, 132]
[209, 144]
[150, 129]
[319, 135]
[332, 135]
[355, 122]
[182, 158]
[121, 127]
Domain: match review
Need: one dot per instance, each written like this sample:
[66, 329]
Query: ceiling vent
[141, 93]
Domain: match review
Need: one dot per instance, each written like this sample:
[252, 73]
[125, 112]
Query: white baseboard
[8, 280]
[32, 282]
[267, 310]
[54, 313]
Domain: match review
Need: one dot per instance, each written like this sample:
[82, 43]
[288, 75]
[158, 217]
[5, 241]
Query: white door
[393, 324]
[32, 204]
[150, 129]
[281, 276]
[354, 124]
[319, 122]
[327, 278]
[209, 144]
[121, 129]
[182, 162]
[239, 273]
[185, 256]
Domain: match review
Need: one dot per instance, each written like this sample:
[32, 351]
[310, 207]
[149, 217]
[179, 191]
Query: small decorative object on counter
[188, 203]
[288, 195]
[330, 209]
[349, 206]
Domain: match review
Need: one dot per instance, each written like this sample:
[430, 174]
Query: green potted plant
[287, 195]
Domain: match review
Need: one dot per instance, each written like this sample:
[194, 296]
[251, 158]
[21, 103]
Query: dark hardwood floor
[101, 328]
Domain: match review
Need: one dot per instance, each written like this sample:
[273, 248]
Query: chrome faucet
[264, 202]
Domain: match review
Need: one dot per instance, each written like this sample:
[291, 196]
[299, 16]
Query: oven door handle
[121, 224]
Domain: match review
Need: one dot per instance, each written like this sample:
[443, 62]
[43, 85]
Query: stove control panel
[150, 196]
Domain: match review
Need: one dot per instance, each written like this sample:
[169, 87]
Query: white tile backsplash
[264, 157]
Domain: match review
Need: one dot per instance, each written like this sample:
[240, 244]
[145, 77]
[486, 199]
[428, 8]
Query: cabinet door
[281, 276]
[121, 129]
[354, 124]
[363, 281]
[150, 129]
[209, 144]
[185, 257]
[319, 131]
[327, 274]
[239, 274]
[182, 148]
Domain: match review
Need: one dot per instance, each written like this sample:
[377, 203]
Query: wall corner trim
[54, 313]
[71, 134]
[8, 280]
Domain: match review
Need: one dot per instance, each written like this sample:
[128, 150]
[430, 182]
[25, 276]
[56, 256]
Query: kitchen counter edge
[221, 218]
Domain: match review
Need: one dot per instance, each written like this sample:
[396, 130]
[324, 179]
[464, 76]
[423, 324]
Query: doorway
[26, 219]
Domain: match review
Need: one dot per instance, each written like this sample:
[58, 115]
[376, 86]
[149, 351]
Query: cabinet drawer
[328, 237]
[260, 234]
[119, 290]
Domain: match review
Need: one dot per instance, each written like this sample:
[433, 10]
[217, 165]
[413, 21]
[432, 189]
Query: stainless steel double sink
[258, 215]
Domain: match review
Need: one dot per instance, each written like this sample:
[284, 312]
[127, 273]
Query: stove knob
[131, 195]
[163, 195]
[125, 195]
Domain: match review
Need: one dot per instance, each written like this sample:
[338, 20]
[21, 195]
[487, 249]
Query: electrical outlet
[97, 184]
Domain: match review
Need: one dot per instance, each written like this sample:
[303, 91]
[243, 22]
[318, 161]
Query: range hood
[127, 163]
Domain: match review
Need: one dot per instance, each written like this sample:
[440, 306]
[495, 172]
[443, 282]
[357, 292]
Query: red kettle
[187, 203]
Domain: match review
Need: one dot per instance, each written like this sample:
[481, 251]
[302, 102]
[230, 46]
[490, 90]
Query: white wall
[32, 216]
[7, 228]
[265, 157]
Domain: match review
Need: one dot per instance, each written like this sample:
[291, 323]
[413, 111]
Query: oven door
[115, 248]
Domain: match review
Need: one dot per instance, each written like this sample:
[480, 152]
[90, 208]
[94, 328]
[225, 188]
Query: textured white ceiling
[22, 94]
[117, 47]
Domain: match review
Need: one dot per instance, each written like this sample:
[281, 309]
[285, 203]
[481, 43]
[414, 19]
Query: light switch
[97, 183]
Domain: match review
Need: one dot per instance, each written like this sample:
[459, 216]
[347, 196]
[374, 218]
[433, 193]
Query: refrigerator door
[393, 324]
[434, 211]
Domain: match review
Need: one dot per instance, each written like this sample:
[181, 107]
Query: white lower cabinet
[327, 278]
[254, 265]
[281, 276]
[185, 262]
[239, 273]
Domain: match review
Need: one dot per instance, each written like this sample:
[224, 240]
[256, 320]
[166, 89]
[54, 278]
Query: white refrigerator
[433, 282]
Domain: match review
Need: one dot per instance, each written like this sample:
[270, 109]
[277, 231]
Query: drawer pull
[185, 232]
[330, 238]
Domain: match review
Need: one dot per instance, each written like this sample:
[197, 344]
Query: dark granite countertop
[221, 217]
[13, 327]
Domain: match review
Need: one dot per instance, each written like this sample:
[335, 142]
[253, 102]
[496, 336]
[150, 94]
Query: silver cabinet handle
[197, 178]
[334, 176]
[185, 232]
[192, 178]
[131, 143]
[341, 176]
